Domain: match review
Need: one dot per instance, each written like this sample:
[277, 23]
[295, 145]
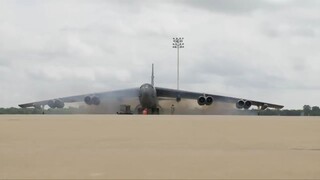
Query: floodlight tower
[178, 43]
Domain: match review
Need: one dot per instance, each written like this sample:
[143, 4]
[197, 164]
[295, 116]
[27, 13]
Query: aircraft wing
[173, 93]
[110, 95]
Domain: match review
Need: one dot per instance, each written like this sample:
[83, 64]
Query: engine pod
[58, 103]
[51, 104]
[55, 103]
[247, 104]
[240, 104]
[95, 100]
[201, 100]
[209, 100]
[88, 100]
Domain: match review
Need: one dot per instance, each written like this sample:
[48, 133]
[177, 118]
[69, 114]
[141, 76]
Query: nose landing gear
[146, 111]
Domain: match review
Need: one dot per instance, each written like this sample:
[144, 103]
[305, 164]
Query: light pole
[178, 43]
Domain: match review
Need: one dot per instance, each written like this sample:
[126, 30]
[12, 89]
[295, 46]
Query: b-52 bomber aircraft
[149, 97]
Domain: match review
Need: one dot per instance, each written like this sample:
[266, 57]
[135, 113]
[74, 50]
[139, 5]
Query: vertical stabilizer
[152, 76]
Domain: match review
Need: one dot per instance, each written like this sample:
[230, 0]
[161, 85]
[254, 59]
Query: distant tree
[306, 110]
[315, 108]
[315, 111]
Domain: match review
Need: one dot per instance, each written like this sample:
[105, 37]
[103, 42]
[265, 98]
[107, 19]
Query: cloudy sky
[258, 49]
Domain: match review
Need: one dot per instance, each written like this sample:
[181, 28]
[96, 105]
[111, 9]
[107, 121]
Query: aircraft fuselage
[148, 96]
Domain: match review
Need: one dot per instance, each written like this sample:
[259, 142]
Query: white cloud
[262, 49]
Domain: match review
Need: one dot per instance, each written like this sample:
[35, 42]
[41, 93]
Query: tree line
[13, 110]
[306, 110]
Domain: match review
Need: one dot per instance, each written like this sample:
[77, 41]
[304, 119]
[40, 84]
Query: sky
[265, 50]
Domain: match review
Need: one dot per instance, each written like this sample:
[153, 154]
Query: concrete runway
[161, 147]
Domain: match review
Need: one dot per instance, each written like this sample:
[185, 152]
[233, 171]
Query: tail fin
[152, 76]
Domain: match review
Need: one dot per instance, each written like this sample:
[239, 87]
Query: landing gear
[148, 111]
[42, 108]
[155, 111]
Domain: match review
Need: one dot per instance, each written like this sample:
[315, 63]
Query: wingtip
[22, 106]
[26, 105]
[279, 107]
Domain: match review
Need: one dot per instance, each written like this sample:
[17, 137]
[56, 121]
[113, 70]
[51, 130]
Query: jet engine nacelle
[209, 100]
[92, 100]
[55, 103]
[51, 104]
[95, 100]
[87, 100]
[202, 100]
[243, 104]
[247, 104]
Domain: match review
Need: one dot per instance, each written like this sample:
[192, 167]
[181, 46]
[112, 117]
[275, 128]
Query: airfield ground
[176, 147]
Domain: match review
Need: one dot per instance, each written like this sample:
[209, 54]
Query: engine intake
[243, 104]
[202, 100]
[240, 104]
[55, 103]
[51, 104]
[95, 100]
[209, 100]
[92, 100]
[88, 100]
[247, 104]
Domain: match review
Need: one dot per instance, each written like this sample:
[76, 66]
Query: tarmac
[159, 147]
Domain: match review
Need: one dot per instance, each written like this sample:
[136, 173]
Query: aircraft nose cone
[145, 90]
[145, 94]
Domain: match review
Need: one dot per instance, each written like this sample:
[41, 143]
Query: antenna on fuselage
[152, 76]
